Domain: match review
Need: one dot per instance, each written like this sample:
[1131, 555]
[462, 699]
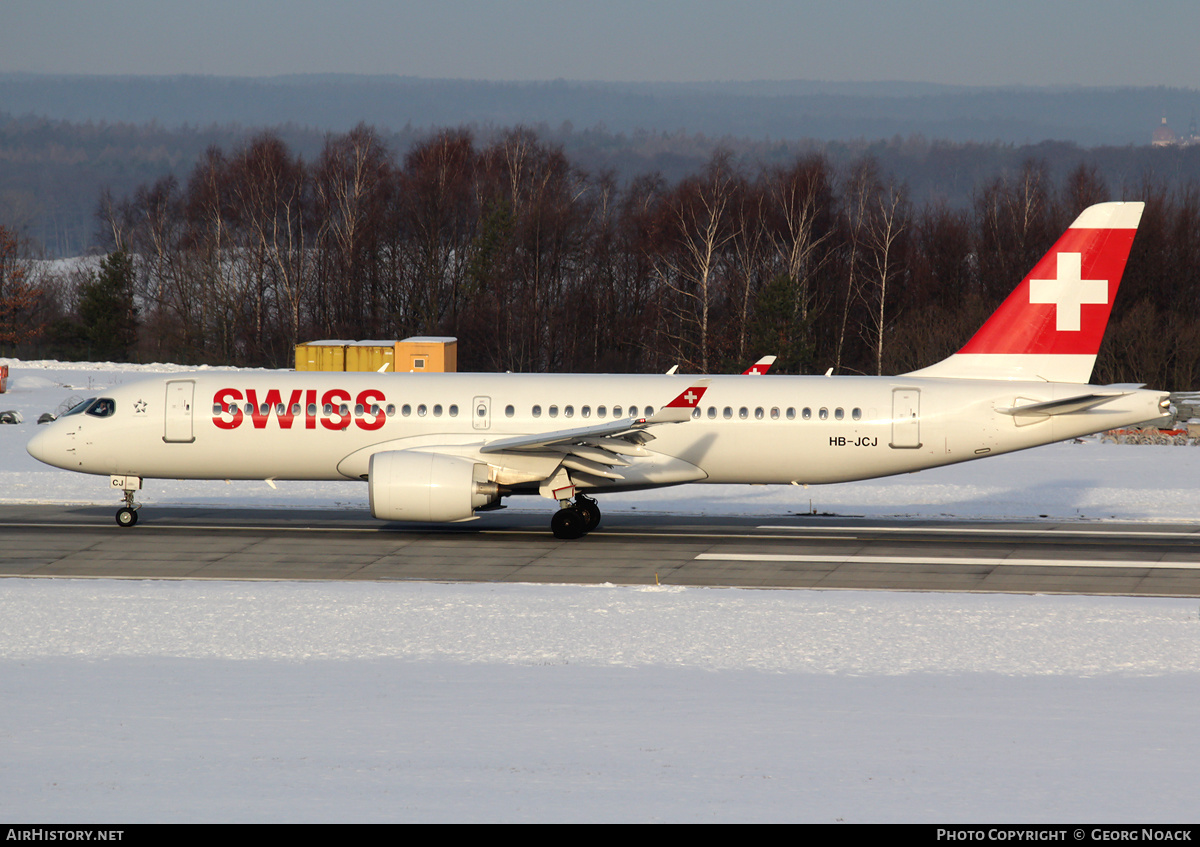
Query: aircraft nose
[42, 447]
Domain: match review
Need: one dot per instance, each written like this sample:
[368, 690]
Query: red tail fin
[1050, 327]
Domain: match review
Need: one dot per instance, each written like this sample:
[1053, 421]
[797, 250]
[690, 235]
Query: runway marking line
[949, 530]
[941, 560]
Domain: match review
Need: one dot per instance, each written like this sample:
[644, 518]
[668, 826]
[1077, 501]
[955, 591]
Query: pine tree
[107, 310]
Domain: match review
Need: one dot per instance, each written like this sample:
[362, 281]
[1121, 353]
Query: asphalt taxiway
[643, 549]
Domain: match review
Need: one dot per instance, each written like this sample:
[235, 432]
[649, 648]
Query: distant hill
[824, 111]
[65, 139]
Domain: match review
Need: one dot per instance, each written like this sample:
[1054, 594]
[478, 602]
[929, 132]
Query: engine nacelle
[409, 486]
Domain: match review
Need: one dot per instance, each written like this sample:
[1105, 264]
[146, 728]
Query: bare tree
[886, 228]
[351, 184]
[701, 226]
[800, 230]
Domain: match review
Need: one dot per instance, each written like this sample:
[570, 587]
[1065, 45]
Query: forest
[537, 264]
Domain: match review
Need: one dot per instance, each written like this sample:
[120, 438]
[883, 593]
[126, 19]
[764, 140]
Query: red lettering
[366, 399]
[274, 402]
[223, 399]
[225, 403]
[335, 397]
[262, 412]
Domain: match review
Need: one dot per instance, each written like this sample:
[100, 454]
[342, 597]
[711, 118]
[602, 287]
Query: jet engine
[406, 485]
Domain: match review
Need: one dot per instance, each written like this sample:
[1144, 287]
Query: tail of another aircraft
[1050, 327]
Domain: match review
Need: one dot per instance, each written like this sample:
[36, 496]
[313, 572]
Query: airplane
[760, 367]
[442, 447]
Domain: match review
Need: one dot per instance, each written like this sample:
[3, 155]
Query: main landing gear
[127, 515]
[575, 520]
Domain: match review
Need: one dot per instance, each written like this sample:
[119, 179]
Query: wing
[600, 449]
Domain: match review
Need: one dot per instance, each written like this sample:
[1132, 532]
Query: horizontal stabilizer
[1066, 406]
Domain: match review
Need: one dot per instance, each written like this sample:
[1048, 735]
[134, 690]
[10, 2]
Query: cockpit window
[102, 407]
[79, 407]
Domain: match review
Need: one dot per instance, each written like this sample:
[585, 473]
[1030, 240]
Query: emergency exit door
[178, 423]
[906, 418]
[481, 415]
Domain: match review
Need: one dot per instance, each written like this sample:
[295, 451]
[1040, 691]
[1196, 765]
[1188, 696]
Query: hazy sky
[997, 42]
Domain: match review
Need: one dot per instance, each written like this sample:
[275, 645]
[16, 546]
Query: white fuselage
[772, 429]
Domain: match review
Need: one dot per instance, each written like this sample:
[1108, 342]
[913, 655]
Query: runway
[511, 546]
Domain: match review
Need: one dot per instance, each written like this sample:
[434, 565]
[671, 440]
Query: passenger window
[422, 410]
[806, 414]
[856, 414]
[568, 411]
[537, 411]
[696, 412]
[824, 414]
[758, 413]
[358, 410]
[585, 412]
[454, 410]
[391, 410]
[743, 413]
[728, 413]
[616, 411]
[406, 410]
[712, 412]
[437, 410]
[509, 411]
[554, 411]
[838, 413]
[791, 413]
[601, 411]
[774, 413]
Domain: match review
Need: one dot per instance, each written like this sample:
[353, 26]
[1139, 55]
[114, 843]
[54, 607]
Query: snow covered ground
[126, 701]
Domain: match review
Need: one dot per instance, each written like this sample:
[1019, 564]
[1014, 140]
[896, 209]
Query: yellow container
[371, 356]
[321, 356]
[427, 354]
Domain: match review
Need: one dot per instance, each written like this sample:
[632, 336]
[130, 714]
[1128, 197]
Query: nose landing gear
[127, 515]
[575, 520]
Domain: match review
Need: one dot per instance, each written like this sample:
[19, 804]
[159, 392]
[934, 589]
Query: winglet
[760, 367]
[680, 409]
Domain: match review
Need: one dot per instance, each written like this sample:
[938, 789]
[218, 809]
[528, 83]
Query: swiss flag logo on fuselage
[1062, 306]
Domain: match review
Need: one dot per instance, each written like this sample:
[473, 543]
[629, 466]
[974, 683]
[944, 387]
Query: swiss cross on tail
[1068, 292]
[1050, 327]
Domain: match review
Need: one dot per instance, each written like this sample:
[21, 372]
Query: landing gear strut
[575, 520]
[127, 515]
